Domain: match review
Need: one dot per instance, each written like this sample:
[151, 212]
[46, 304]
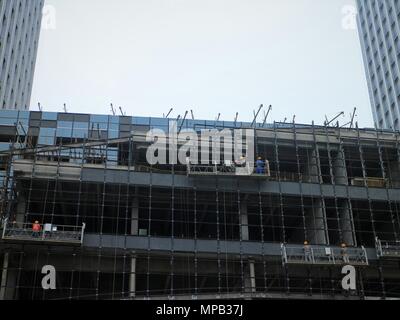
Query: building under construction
[115, 227]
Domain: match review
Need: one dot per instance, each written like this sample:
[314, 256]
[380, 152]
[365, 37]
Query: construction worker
[260, 166]
[345, 255]
[36, 229]
[241, 162]
[307, 252]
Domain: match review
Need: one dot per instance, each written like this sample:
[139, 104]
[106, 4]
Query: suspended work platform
[388, 249]
[229, 169]
[324, 255]
[23, 232]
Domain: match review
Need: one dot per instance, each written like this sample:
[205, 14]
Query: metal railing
[387, 249]
[324, 255]
[14, 231]
[229, 168]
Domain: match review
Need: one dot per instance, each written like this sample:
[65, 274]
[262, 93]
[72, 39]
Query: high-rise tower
[379, 29]
[20, 22]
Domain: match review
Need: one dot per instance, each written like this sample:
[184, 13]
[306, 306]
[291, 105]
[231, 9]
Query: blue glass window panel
[191, 124]
[156, 122]
[8, 121]
[113, 134]
[64, 132]
[113, 119]
[111, 153]
[98, 118]
[81, 125]
[4, 146]
[80, 134]
[210, 124]
[98, 125]
[65, 124]
[24, 122]
[9, 114]
[47, 132]
[46, 140]
[141, 120]
[113, 126]
[65, 153]
[23, 115]
[163, 128]
[49, 116]
[229, 124]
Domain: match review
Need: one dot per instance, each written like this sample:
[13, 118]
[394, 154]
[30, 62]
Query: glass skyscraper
[19, 36]
[379, 29]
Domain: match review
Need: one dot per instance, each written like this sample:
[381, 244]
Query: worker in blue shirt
[260, 166]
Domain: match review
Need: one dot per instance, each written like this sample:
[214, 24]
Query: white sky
[211, 56]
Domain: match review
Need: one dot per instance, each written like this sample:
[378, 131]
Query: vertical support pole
[250, 278]
[365, 176]
[135, 217]
[196, 283]
[8, 285]
[134, 232]
[218, 234]
[333, 178]
[4, 274]
[301, 181]
[260, 204]
[321, 224]
[132, 277]
[278, 169]
[348, 200]
[244, 221]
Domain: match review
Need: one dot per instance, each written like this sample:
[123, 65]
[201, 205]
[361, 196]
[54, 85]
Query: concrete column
[346, 223]
[315, 224]
[135, 217]
[250, 278]
[339, 169]
[132, 278]
[244, 221]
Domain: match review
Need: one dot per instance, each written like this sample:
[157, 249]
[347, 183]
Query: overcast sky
[211, 56]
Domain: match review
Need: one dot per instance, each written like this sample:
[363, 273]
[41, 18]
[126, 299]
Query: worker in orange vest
[36, 229]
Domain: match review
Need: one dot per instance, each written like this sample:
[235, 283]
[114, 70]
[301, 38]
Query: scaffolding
[229, 169]
[388, 249]
[141, 231]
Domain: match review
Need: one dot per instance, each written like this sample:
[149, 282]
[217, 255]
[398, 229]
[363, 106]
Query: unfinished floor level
[116, 227]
